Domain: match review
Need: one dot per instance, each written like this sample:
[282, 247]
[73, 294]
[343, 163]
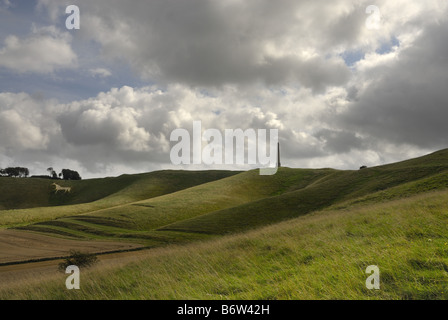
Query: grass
[220, 202]
[108, 192]
[318, 256]
[337, 188]
[299, 234]
[242, 201]
[156, 212]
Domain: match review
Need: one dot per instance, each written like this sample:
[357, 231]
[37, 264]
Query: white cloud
[45, 50]
[100, 72]
[244, 64]
[25, 122]
[20, 133]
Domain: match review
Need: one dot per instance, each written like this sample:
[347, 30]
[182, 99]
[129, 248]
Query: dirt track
[17, 274]
[16, 246]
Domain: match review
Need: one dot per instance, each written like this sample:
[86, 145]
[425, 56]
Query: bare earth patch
[16, 246]
[33, 272]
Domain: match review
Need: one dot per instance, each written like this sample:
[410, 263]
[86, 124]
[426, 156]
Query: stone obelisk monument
[278, 155]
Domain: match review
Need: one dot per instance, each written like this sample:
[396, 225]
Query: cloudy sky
[342, 88]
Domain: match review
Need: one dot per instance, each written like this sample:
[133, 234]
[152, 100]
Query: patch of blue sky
[18, 19]
[388, 46]
[352, 56]
[68, 85]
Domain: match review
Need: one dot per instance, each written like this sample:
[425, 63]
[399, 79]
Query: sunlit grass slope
[335, 188]
[154, 212]
[90, 195]
[140, 220]
[322, 255]
[18, 193]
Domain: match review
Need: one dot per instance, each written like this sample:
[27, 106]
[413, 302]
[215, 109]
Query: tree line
[21, 172]
[15, 172]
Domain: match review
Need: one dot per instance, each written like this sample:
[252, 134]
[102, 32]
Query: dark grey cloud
[212, 43]
[337, 92]
[407, 102]
[339, 141]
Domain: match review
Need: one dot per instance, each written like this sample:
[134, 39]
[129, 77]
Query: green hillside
[335, 188]
[20, 193]
[322, 255]
[299, 234]
[171, 206]
[139, 220]
[110, 192]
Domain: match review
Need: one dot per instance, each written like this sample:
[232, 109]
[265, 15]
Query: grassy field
[322, 255]
[33, 200]
[235, 203]
[300, 234]
[36, 192]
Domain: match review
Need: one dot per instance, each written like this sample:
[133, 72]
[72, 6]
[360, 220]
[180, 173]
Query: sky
[345, 83]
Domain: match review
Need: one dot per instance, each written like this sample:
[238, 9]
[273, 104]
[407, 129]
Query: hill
[21, 193]
[322, 255]
[300, 234]
[229, 202]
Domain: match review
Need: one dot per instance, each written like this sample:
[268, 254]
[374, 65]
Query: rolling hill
[170, 206]
[300, 234]
[19, 193]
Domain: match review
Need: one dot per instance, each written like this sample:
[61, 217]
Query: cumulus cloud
[45, 50]
[340, 94]
[19, 132]
[93, 122]
[25, 122]
[127, 125]
[201, 42]
[406, 101]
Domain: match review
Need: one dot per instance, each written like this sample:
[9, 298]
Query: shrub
[79, 259]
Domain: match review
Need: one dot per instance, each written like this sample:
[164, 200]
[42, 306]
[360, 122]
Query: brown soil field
[17, 246]
[27, 273]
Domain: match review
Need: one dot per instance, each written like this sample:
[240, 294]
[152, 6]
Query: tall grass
[319, 256]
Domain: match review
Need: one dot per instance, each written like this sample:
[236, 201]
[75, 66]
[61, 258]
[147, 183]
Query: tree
[68, 174]
[18, 172]
[53, 173]
[79, 259]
